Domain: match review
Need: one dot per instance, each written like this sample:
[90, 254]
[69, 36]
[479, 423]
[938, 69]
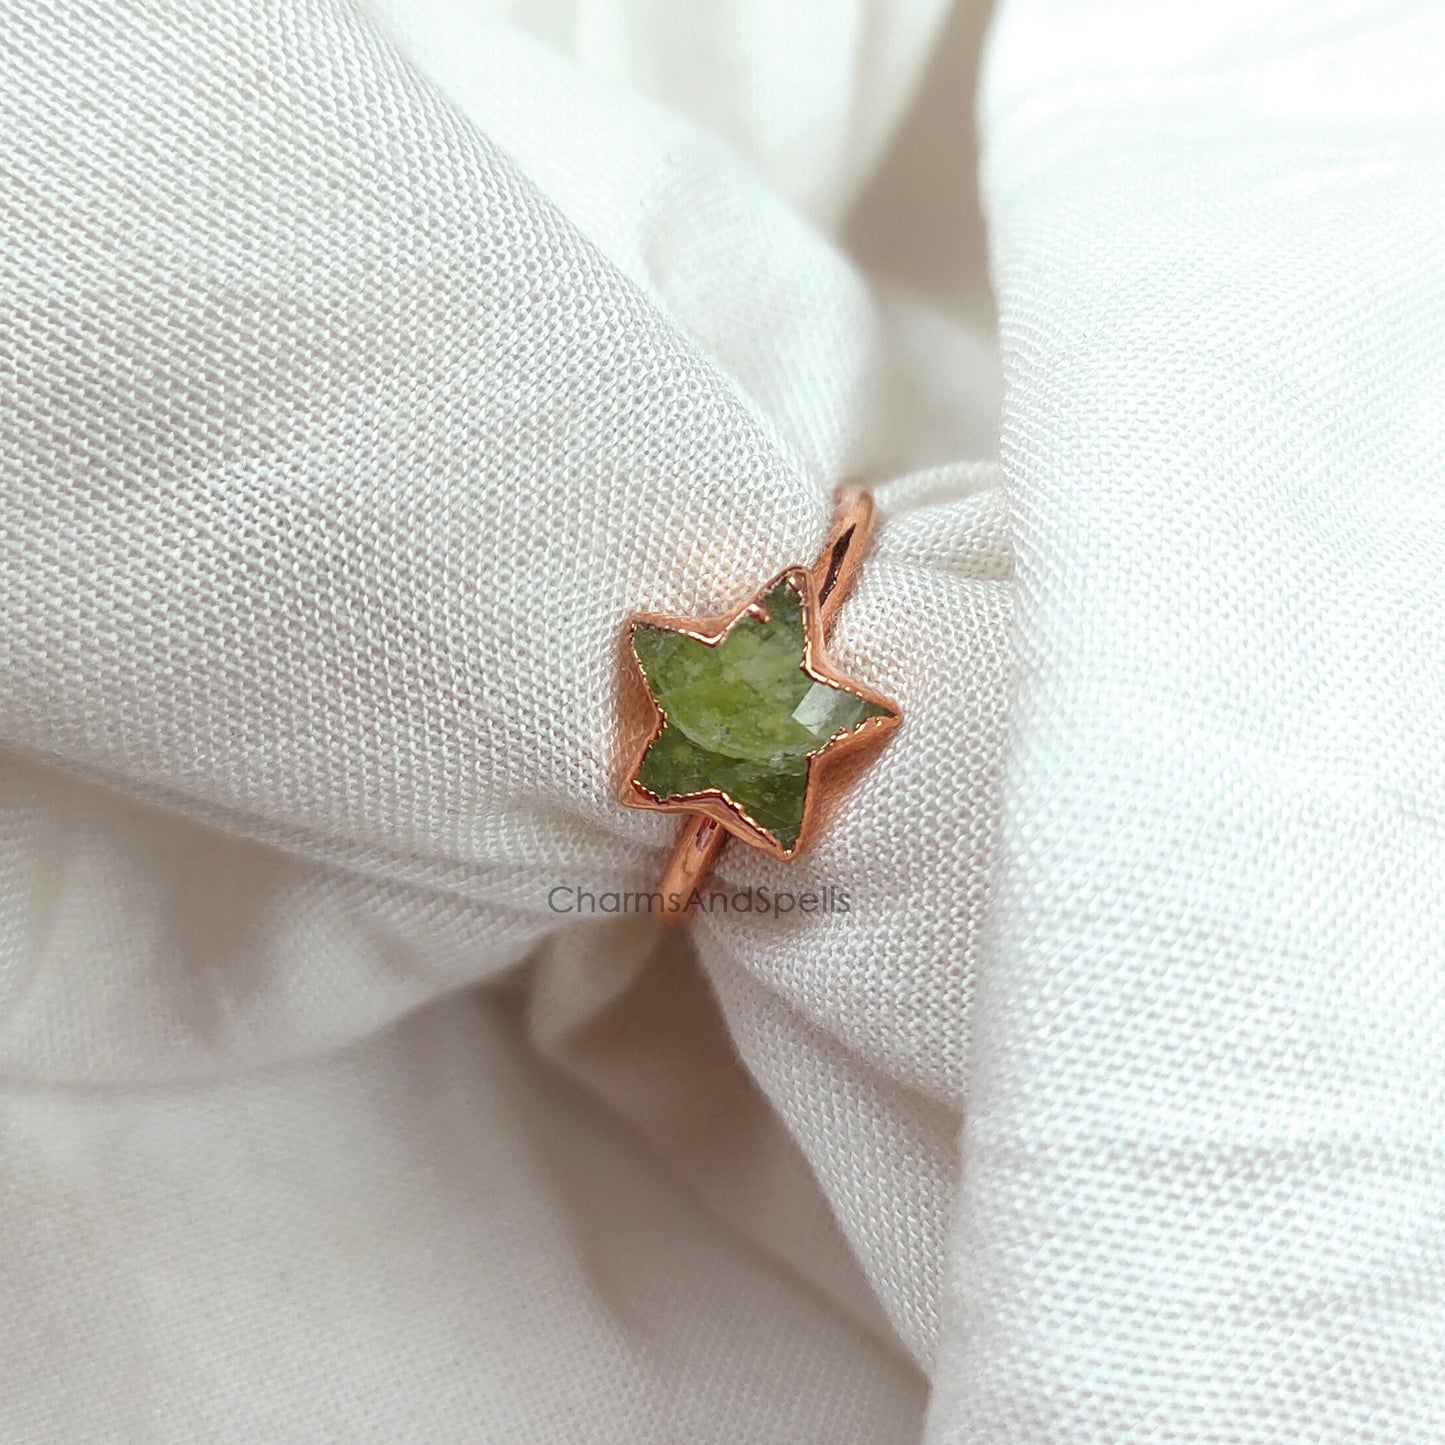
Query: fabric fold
[335, 455]
[1202, 1158]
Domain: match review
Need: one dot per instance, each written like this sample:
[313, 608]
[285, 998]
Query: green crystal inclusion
[741, 715]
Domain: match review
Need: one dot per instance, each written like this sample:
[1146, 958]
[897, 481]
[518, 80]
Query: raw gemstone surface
[742, 715]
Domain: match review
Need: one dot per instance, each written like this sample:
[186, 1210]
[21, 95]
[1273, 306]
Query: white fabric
[363, 370]
[1204, 1151]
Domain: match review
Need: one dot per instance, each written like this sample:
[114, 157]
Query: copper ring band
[702, 838]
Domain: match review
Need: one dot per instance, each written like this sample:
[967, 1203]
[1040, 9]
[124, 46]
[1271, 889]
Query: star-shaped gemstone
[744, 712]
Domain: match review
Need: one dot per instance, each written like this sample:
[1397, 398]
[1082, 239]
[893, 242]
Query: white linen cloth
[363, 370]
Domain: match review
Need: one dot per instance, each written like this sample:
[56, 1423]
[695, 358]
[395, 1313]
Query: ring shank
[702, 838]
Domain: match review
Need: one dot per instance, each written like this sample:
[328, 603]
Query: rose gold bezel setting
[643, 719]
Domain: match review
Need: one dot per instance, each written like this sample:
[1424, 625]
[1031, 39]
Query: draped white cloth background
[362, 371]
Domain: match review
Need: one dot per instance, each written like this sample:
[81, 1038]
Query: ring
[739, 719]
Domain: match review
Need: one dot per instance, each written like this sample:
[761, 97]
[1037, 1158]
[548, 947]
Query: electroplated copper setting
[712, 814]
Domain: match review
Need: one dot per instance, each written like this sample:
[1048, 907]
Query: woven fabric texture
[334, 456]
[1204, 1151]
[363, 367]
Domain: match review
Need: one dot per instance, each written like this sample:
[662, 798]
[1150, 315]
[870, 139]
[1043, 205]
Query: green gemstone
[741, 715]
